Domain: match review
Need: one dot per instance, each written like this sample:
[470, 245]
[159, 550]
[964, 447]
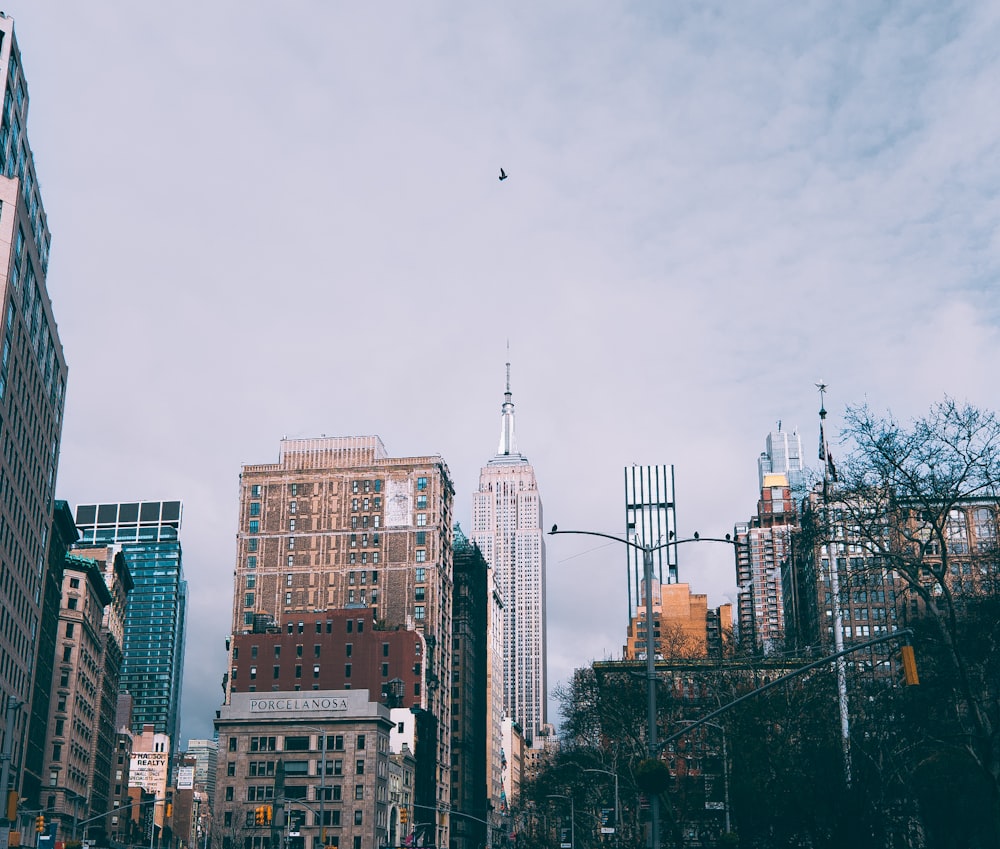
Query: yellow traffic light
[258, 816]
[12, 805]
[267, 814]
[404, 815]
[39, 824]
[170, 809]
[909, 666]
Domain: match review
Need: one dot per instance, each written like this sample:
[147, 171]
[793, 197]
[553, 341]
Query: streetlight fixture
[647, 573]
[572, 817]
[618, 812]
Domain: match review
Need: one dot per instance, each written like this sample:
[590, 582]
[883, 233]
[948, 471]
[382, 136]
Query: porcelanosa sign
[293, 706]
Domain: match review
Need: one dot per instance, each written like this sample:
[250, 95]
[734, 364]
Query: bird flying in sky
[503, 174]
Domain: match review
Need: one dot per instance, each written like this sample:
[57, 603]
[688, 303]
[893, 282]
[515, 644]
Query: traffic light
[909, 666]
[258, 815]
[267, 814]
[39, 824]
[404, 815]
[12, 805]
[170, 809]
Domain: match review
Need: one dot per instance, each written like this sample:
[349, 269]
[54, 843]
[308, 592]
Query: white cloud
[286, 220]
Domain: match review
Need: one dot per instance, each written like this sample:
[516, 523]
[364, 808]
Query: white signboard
[185, 778]
[148, 770]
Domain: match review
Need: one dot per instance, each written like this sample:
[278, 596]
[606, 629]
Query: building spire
[507, 443]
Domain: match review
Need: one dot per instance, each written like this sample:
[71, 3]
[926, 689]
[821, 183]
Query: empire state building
[507, 527]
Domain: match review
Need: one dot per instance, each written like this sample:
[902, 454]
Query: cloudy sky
[285, 219]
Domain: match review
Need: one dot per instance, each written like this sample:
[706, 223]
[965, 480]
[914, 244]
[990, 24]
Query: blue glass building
[148, 534]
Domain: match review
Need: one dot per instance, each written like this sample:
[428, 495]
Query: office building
[470, 706]
[337, 650]
[148, 535]
[337, 793]
[763, 549]
[204, 754]
[338, 524]
[507, 528]
[32, 393]
[63, 535]
[683, 625]
[75, 720]
[782, 455]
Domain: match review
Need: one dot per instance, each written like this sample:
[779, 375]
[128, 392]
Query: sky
[284, 219]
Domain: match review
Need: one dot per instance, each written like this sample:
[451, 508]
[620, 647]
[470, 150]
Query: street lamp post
[572, 817]
[618, 813]
[647, 572]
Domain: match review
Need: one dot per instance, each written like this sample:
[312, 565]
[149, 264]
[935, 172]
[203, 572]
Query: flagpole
[830, 477]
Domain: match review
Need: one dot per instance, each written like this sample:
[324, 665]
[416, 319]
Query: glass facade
[148, 534]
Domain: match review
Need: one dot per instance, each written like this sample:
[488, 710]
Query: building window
[418, 611]
[292, 506]
[255, 491]
[255, 526]
[248, 600]
[419, 593]
[421, 537]
[316, 671]
[293, 489]
[252, 544]
[421, 520]
[70, 627]
[359, 791]
[347, 670]
[421, 483]
[421, 502]
[254, 508]
[421, 555]
[421, 575]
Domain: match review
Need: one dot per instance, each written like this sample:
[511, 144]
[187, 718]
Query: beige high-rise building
[683, 625]
[337, 523]
[507, 528]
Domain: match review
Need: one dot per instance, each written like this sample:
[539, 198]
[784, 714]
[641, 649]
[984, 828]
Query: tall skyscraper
[32, 387]
[782, 456]
[337, 523]
[763, 548]
[507, 527]
[148, 536]
[650, 519]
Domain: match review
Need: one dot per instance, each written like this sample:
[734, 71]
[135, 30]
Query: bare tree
[910, 494]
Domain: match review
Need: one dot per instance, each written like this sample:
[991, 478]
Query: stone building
[338, 524]
[303, 769]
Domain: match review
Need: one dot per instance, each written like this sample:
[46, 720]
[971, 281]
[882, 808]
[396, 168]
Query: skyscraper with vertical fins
[507, 527]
